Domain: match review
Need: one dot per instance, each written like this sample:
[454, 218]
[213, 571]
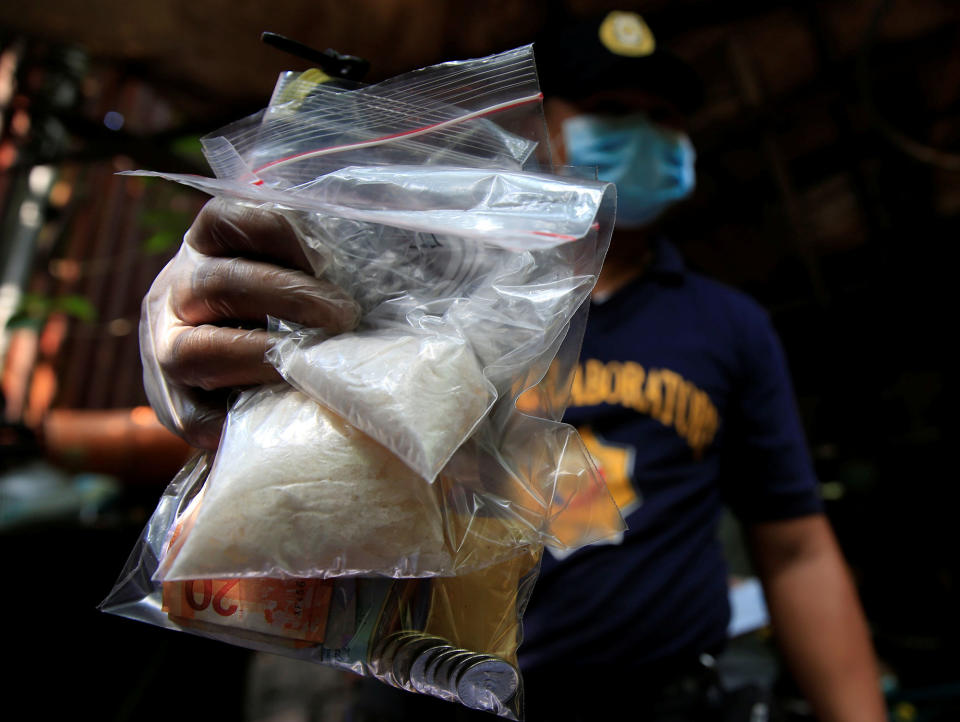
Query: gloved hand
[202, 327]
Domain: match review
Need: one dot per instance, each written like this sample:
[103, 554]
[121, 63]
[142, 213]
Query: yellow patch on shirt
[660, 393]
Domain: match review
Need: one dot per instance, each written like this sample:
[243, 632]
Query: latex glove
[203, 322]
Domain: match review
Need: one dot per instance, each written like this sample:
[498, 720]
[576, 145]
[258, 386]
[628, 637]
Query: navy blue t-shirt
[683, 397]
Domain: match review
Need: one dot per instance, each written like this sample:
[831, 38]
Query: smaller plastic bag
[427, 387]
[288, 472]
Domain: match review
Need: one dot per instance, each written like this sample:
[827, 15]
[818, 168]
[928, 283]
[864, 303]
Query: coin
[418, 670]
[381, 657]
[410, 649]
[431, 682]
[384, 646]
[463, 664]
[447, 665]
[488, 685]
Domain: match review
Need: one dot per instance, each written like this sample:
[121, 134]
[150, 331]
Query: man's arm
[817, 618]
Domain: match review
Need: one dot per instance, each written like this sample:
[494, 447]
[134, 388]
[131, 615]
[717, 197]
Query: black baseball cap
[611, 52]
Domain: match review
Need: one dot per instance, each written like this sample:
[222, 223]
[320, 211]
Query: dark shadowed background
[829, 189]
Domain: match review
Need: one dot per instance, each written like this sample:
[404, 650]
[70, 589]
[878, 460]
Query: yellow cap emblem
[626, 33]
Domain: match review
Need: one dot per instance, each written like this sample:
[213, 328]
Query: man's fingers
[203, 426]
[228, 229]
[211, 357]
[235, 289]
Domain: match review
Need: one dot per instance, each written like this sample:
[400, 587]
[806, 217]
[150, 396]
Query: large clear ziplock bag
[395, 469]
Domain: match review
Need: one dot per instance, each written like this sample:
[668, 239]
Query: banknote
[291, 608]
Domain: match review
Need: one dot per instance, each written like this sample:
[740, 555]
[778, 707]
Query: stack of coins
[432, 665]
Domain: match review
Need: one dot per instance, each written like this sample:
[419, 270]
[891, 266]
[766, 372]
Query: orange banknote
[292, 608]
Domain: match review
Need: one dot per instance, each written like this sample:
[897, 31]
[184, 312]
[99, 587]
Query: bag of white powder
[295, 491]
[420, 395]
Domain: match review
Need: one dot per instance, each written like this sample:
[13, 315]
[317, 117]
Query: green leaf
[22, 320]
[76, 306]
[161, 241]
[34, 305]
[161, 217]
[188, 145]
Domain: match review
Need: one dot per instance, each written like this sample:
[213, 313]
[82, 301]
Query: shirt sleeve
[767, 472]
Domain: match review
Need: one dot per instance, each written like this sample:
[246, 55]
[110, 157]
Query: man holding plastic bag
[609, 625]
[684, 398]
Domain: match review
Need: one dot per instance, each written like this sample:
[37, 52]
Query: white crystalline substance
[420, 395]
[296, 491]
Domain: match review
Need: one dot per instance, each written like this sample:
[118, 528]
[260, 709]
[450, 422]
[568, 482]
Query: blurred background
[828, 188]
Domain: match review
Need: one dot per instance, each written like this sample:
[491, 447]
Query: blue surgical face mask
[652, 166]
